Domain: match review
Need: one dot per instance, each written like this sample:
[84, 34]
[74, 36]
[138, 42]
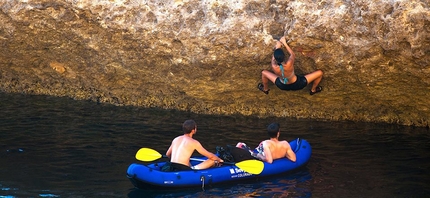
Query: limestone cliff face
[206, 56]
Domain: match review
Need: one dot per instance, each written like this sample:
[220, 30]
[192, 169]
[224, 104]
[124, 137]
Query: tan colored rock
[58, 67]
[206, 56]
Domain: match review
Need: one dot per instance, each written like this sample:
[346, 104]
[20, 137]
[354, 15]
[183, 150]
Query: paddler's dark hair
[273, 129]
[188, 126]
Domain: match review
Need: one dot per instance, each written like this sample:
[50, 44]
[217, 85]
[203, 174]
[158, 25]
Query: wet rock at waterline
[206, 56]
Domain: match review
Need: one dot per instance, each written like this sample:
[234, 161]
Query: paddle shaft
[201, 160]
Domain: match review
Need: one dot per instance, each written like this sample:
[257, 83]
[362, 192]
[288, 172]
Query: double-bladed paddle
[251, 166]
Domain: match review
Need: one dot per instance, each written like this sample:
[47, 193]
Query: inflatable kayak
[150, 176]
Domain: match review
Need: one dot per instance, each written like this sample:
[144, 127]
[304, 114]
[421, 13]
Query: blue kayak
[150, 176]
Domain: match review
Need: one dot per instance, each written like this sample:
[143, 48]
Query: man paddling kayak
[182, 148]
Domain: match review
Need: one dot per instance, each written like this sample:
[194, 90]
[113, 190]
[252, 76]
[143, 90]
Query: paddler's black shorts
[172, 167]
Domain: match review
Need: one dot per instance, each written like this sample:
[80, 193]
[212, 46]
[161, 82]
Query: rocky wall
[207, 56]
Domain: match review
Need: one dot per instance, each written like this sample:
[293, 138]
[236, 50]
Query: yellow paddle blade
[147, 155]
[251, 166]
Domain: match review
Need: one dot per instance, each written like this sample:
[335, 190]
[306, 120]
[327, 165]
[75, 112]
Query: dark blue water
[58, 147]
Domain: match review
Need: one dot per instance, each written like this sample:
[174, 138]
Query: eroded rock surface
[206, 56]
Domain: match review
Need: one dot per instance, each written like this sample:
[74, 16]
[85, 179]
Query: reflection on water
[291, 185]
[58, 147]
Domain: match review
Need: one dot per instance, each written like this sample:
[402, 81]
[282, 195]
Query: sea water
[59, 147]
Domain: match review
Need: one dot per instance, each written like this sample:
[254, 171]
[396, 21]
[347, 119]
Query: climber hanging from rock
[282, 74]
